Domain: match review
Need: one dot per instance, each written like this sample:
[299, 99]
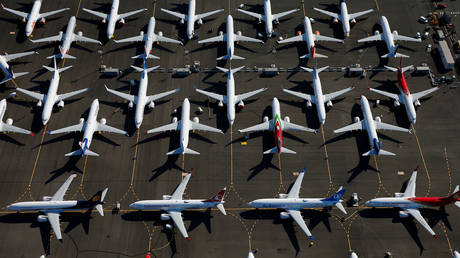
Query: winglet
[303, 170]
[3, 6]
[32, 134]
[188, 238]
[416, 169]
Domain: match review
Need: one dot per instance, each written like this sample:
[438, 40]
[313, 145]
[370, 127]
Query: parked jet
[9, 74]
[7, 126]
[230, 99]
[174, 205]
[292, 203]
[141, 100]
[318, 98]
[30, 19]
[149, 39]
[278, 126]
[310, 38]
[184, 126]
[268, 17]
[456, 254]
[191, 17]
[52, 206]
[389, 38]
[409, 204]
[409, 100]
[51, 98]
[113, 17]
[251, 254]
[67, 38]
[89, 128]
[230, 37]
[371, 126]
[353, 255]
[344, 17]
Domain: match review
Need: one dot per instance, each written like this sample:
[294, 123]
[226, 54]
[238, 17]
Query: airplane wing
[405, 38]
[410, 188]
[255, 15]
[178, 15]
[179, 192]
[249, 94]
[211, 95]
[18, 13]
[79, 38]
[352, 127]
[422, 94]
[53, 219]
[260, 127]
[336, 94]
[280, 15]
[169, 127]
[13, 129]
[324, 38]
[161, 95]
[125, 15]
[110, 129]
[352, 16]
[213, 39]
[44, 15]
[204, 15]
[49, 39]
[98, 14]
[70, 94]
[294, 192]
[292, 39]
[68, 129]
[176, 216]
[293, 127]
[334, 15]
[37, 96]
[59, 195]
[202, 127]
[371, 38]
[387, 94]
[122, 95]
[385, 126]
[246, 39]
[299, 94]
[168, 40]
[138, 38]
[297, 217]
[18, 55]
[417, 216]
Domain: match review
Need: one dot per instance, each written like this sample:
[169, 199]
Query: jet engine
[174, 119]
[60, 104]
[287, 119]
[221, 33]
[122, 21]
[395, 32]
[276, 21]
[82, 120]
[317, 32]
[284, 215]
[196, 120]
[130, 104]
[266, 119]
[329, 103]
[24, 20]
[160, 33]
[397, 195]
[200, 21]
[103, 121]
[169, 226]
[356, 119]
[417, 103]
[181, 21]
[259, 21]
[165, 217]
[104, 21]
[141, 33]
[403, 214]
[312, 20]
[353, 21]
[376, 32]
[282, 196]
[241, 104]
[42, 218]
[239, 33]
[39, 103]
[80, 33]
[308, 104]
[220, 104]
[9, 121]
[42, 20]
[378, 119]
[335, 20]
[151, 105]
[166, 197]
[396, 103]
[47, 198]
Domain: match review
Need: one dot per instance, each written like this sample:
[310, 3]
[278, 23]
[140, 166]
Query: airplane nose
[44, 121]
[368, 203]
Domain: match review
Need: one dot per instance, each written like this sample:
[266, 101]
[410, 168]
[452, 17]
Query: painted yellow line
[331, 184]
[133, 171]
[303, 7]
[449, 175]
[231, 155]
[36, 161]
[423, 161]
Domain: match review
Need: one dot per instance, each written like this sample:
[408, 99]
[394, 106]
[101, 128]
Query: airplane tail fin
[276, 150]
[182, 151]
[337, 199]
[144, 56]
[219, 198]
[455, 196]
[97, 200]
[80, 152]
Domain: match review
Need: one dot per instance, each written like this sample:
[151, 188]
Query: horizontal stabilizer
[381, 152]
[394, 55]
[100, 209]
[221, 208]
[276, 150]
[316, 56]
[79, 152]
[340, 207]
[182, 151]
[226, 57]
[14, 76]
[143, 56]
[66, 56]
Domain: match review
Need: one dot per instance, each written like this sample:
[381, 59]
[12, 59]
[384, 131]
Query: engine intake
[165, 217]
[9, 121]
[356, 119]
[61, 104]
[166, 197]
[284, 215]
[42, 218]
[265, 119]
[103, 121]
[196, 120]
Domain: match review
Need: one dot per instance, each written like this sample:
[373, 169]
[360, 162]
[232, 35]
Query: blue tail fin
[337, 196]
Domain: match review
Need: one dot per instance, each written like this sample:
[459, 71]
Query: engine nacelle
[61, 104]
[265, 119]
[220, 104]
[317, 32]
[130, 104]
[287, 119]
[378, 119]
[141, 33]
[239, 33]
[47, 198]
[24, 20]
[417, 103]
[200, 21]
[276, 21]
[174, 119]
[312, 20]
[335, 20]
[196, 120]
[151, 105]
[284, 215]
[395, 32]
[221, 33]
[396, 103]
[169, 226]
[42, 218]
[356, 119]
[403, 214]
[166, 197]
[398, 195]
[308, 104]
[329, 103]
[39, 103]
[122, 21]
[104, 21]
[282, 196]
[81, 121]
[103, 121]
[353, 21]
[259, 21]
[9, 121]
[376, 32]
[42, 20]
[181, 21]
[160, 33]
[165, 217]
[241, 104]
[80, 33]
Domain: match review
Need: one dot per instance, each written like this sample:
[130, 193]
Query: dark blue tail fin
[336, 197]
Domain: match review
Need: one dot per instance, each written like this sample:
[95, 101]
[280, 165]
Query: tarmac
[137, 167]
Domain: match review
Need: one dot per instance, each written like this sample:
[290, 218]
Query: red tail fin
[218, 197]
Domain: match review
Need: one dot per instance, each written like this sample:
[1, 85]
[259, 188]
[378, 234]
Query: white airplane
[7, 126]
[149, 39]
[141, 100]
[30, 19]
[389, 38]
[113, 17]
[268, 17]
[277, 126]
[67, 38]
[4, 59]
[318, 98]
[230, 37]
[292, 203]
[409, 100]
[353, 255]
[456, 254]
[184, 126]
[371, 126]
[310, 38]
[89, 127]
[410, 204]
[191, 17]
[344, 17]
[230, 99]
[251, 254]
[51, 98]
[174, 205]
[52, 206]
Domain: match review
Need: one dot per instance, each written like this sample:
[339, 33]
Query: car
[423, 19]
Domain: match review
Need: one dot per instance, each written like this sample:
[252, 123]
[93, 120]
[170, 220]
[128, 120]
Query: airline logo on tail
[84, 145]
[218, 197]
[336, 197]
[377, 145]
[312, 51]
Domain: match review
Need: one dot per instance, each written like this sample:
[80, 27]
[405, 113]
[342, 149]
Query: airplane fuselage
[33, 17]
[411, 202]
[185, 124]
[90, 126]
[277, 124]
[291, 203]
[2, 109]
[308, 36]
[191, 19]
[369, 124]
[230, 37]
[230, 98]
[172, 204]
[113, 17]
[387, 35]
[141, 99]
[319, 97]
[406, 97]
[48, 206]
[268, 18]
[50, 98]
[5, 66]
[345, 19]
[67, 37]
[150, 37]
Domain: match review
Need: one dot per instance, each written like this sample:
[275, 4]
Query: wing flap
[297, 217]
[417, 216]
[59, 195]
[249, 94]
[53, 219]
[202, 127]
[260, 127]
[179, 192]
[385, 126]
[176, 216]
[352, 127]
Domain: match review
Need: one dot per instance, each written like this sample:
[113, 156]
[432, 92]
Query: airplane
[230, 99]
[141, 100]
[174, 205]
[293, 204]
[9, 74]
[67, 38]
[344, 17]
[410, 204]
[251, 254]
[318, 98]
[353, 255]
[268, 17]
[89, 128]
[113, 17]
[456, 254]
[409, 100]
[149, 39]
[230, 37]
[310, 38]
[30, 19]
[371, 126]
[184, 126]
[52, 206]
[389, 38]
[278, 126]
[7, 126]
[51, 98]
[191, 17]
